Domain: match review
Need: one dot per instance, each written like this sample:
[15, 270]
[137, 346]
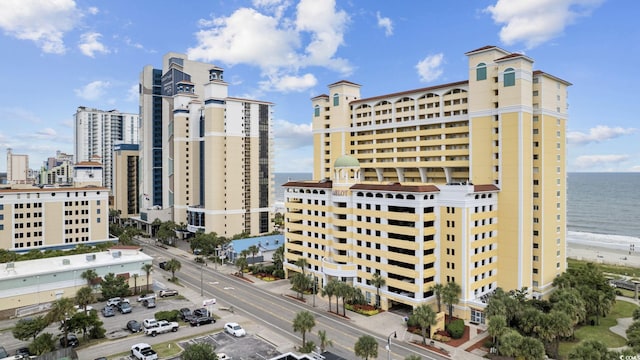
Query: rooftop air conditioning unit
[66, 262]
[91, 257]
[116, 254]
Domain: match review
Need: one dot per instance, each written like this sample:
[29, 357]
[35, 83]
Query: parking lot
[246, 348]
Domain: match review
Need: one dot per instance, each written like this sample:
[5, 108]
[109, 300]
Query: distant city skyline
[68, 53]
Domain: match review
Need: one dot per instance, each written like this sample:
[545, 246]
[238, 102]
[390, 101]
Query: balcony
[339, 270]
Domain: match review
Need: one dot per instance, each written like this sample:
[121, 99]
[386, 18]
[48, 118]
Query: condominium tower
[462, 182]
[204, 155]
[96, 133]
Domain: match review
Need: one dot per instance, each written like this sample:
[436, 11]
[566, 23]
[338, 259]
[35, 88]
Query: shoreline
[605, 249]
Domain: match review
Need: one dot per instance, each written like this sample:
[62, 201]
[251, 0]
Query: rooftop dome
[346, 161]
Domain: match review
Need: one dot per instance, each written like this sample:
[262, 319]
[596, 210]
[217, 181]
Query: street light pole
[202, 264]
[395, 336]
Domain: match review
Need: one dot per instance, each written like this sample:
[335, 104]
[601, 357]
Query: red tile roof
[344, 82]
[322, 184]
[396, 187]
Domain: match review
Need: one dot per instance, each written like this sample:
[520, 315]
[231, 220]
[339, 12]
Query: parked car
[149, 303]
[223, 356]
[3, 352]
[23, 351]
[87, 308]
[168, 292]
[234, 329]
[124, 307]
[149, 323]
[134, 326]
[144, 297]
[200, 312]
[114, 301]
[184, 313]
[163, 265]
[202, 320]
[108, 311]
[70, 340]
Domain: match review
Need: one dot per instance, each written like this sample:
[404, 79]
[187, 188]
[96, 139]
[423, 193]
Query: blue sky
[58, 55]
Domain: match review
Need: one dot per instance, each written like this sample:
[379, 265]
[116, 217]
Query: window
[481, 72]
[509, 77]
[336, 99]
[316, 111]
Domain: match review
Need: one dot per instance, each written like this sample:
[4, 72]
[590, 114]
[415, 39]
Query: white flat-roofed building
[30, 286]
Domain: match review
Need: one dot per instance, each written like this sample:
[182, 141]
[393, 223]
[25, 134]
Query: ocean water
[600, 206]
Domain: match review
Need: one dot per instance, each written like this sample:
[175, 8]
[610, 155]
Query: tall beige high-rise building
[462, 182]
[18, 168]
[205, 156]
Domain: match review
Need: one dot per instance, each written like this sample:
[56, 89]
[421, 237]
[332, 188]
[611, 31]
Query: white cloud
[599, 161]
[289, 83]
[429, 68]
[274, 42]
[289, 136]
[385, 23]
[43, 22]
[133, 94]
[90, 44]
[93, 90]
[46, 133]
[93, 10]
[534, 22]
[598, 134]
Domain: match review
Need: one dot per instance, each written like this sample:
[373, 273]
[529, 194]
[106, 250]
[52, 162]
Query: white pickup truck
[143, 351]
[162, 326]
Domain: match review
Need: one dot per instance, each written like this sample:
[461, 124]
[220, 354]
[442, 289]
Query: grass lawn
[601, 332]
[610, 269]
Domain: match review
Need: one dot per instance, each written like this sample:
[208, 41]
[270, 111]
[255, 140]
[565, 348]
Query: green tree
[302, 263]
[378, 281]
[451, 296]
[85, 323]
[413, 357]
[90, 276]
[425, 317]
[173, 265]
[636, 314]
[343, 290]
[253, 250]
[329, 290]
[497, 326]
[633, 336]
[510, 343]
[324, 340]
[43, 344]
[550, 328]
[135, 277]
[366, 347]
[29, 328]
[302, 323]
[61, 311]
[148, 269]
[242, 264]
[300, 283]
[114, 286]
[199, 351]
[437, 291]
[84, 297]
[591, 350]
[531, 349]
[167, 232]
[278, 262]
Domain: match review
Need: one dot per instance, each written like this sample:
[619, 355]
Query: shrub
[279, 273]
[171, 315]
[456, 328]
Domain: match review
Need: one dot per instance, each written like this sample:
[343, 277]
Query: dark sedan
[134, 326]
[201, 312]
[71, 340]
[203, 320]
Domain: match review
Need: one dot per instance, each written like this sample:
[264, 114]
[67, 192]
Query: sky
[62, 54]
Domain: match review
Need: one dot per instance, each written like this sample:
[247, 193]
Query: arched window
[316, 111]
[509, 77]
[336, 99]
[481, 72]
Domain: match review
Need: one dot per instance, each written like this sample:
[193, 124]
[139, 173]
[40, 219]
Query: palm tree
[425, 317]
[84, 297]
[61, 311]
[329, 290]
[253, 250]
[242, 264]
[343, 291]
[437, 291]
[303, 322]
[450, 296]
[497, 326]
[148, 269]
[135, 283]
[324, 340]
[89, 275]
[378, 281]
[300, 283]
[366, 347]
[302, 263]
[173, 265]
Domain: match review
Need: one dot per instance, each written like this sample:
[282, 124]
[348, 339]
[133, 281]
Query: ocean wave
[619, 242]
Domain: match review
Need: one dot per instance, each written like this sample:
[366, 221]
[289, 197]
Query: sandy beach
[608, 249]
